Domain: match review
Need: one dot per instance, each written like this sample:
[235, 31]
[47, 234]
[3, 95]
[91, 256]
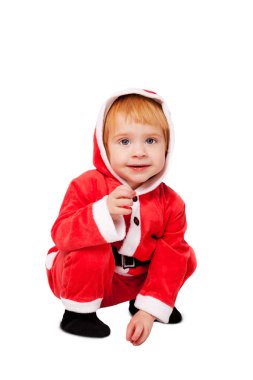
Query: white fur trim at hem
[154, 306]
[82, 307]
[110, 230]
[50, 259]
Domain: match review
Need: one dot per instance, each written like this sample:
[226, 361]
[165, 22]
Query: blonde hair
[139, 109]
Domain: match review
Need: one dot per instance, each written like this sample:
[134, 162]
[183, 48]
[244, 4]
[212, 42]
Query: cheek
[161, 160]
[115, 159]
[117, 155]
[111, 153]
[108, 154]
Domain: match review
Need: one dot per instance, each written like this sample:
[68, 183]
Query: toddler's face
[136, 151]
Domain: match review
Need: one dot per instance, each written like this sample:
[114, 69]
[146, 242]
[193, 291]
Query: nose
[139, 150]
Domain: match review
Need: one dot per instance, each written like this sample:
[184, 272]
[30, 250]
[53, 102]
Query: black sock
[175, 316]
[84, 324]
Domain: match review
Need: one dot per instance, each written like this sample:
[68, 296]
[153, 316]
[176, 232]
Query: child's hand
[139, 327]
[119, 201]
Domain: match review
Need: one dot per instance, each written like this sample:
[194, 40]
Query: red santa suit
[81, 267]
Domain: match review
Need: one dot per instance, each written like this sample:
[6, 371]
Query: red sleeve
[83, 223]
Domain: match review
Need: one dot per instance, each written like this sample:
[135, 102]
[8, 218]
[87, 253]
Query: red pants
[85, 279]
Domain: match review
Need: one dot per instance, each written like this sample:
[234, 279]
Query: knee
[91, 257]
[192, 264]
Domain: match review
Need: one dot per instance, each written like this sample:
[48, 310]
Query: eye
[124, 142]
[150, 140]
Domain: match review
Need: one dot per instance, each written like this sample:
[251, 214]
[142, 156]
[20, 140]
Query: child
[119, 235]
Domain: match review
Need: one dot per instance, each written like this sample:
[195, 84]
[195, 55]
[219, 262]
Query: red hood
[100, 159]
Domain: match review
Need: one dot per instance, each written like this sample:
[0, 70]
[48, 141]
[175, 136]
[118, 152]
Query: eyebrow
[132, 134]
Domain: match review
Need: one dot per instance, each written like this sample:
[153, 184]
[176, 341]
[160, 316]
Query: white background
[59, 61]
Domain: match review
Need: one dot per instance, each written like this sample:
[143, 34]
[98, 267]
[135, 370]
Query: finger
[121, 192]
[142, 338]
[122, 211]
[126, 187]
[124, 195]
[137, 333]
[130, 330]
[123, 202]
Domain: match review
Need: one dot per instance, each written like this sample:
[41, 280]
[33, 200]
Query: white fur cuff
[82, 307]
[154, 306]
[50, 259]
[110, 230]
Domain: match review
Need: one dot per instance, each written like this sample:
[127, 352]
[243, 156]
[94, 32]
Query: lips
[138, 166]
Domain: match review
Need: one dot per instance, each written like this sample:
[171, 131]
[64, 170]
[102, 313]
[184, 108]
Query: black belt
[127, 261]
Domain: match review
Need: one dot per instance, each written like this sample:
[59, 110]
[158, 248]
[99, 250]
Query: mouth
[138, 167]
